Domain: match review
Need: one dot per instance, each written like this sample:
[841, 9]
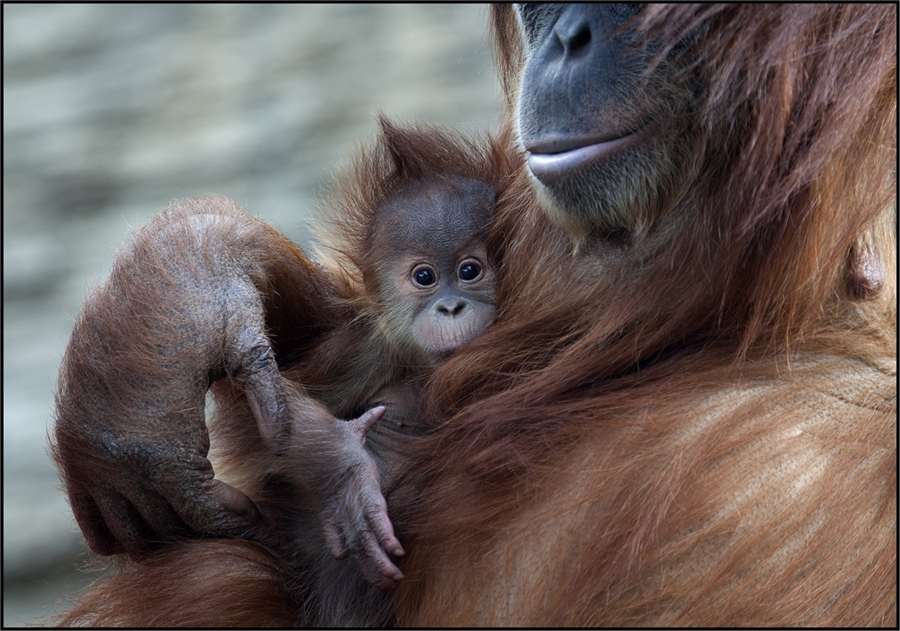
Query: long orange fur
[702, 430]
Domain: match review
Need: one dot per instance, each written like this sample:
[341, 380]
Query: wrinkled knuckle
[145, 457]
[258, 357]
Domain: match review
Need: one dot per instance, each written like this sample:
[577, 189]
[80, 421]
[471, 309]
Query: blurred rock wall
[111, 111]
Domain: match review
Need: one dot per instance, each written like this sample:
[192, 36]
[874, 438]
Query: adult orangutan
[685, 412]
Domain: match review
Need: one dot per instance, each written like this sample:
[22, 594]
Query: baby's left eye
[469, 271]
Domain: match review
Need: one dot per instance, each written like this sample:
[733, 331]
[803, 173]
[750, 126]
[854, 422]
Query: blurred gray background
[111, 111]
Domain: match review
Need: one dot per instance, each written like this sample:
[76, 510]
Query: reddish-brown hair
[647, 384]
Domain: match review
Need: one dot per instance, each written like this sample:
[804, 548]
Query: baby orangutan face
[452, 299]
[436, 284]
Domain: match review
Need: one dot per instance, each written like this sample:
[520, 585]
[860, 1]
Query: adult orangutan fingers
[93, 525]
[218, 509]
[159, 515]
[123, 521]
[263, 385]
[235, 501]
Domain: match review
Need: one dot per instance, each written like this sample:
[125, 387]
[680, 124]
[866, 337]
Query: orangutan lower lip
[551, 158]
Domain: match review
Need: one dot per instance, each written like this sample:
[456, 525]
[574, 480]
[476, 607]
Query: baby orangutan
[429, 289]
